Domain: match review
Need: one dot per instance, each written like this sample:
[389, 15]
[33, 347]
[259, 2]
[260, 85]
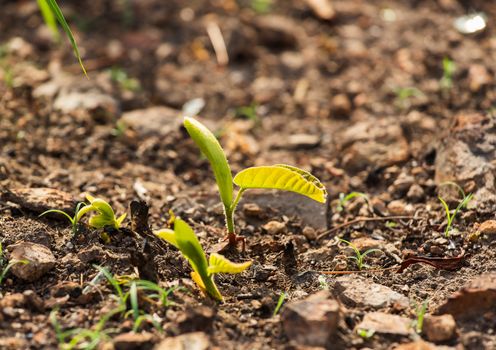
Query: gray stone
[358, 292]
[39, 259]
[313, 321]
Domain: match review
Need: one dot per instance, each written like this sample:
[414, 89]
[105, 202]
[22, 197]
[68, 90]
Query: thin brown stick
[358, 271]
[362, 219]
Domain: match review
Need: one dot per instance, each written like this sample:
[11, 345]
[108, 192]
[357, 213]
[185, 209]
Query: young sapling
[420, 311]
[74, 220]
[450, 216]
[449, 68]
[105, 214]
[359, 257]
[184, 239]
[279, 176]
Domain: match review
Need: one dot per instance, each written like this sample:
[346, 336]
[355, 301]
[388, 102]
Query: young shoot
[279, 176]
[451, 214]
[6, 266]
[343, 199]
[449, 69]
[74, 220]
[105, 214]
[420, 311]
[280, 301]
[184, 239]
[359, 257]
[366, 333]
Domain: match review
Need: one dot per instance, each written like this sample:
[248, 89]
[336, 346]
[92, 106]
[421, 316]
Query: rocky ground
[386, 98]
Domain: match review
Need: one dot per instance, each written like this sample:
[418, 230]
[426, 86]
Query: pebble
[41, 199]
[133, 341]
[415, 193]
[384, 323]
[310, 233]
[274, 227]
[399, 207]
[187, 341]
[312, 321]
[439, 328]
[40, 260]
[488, 227]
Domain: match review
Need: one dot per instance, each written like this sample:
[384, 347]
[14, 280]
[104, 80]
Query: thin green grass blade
[49, 19]
[63, 23]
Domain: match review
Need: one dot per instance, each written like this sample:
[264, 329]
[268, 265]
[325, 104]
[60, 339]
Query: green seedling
[323, 282]
[420, 311]
[359, 257]
[105, 214]
[121, 77]
[184, 239]
[248, 112]
[403, 96]
[280, 301]
[5, 267]
[51, 14]
[366, 333]
[450, 215]
[261, 6]
[82, 338]
[74, 220]
[449, 68]
[279, 176]
[343, 199]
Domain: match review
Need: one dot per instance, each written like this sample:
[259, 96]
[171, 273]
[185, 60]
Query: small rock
[478, 77]
[439, 328]
[401, 184]
[473, 300]
[102, 106]
[159, 121]
[399, 207]
[415, 193]
[302, 141]
[358, 292]
[91, 254]
[276, 31]
[384, 323]
[341, 106]
[365, 243]
[13, 343]
[376, 144]
[252, 209]
[309, 233]
[322, 8]
[188, 341]
[488, 227]
[15, 300]
[41, 199]
[40, 260]
[133, 341]
[313, 321]
[274, 227]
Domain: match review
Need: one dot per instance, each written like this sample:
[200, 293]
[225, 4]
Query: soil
[325, 99]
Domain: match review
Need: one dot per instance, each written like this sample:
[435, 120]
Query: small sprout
[323, 282]
[403, 96]
[449, 69]
[74, 220]
[120, 129]
[120, 76]
[450, 216]
[248, 112]
[5, 267]
[279, 176]
[343, 199]
[184, 239]
[105, 216]
[359, 257]
[280, 301]
[420, 311]
[391, 224]
[366, 333]
[261, 6]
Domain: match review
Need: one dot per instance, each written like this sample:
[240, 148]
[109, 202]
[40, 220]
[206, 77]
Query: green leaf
[220, 264]
[282, 177]
[63, 23]
[212, 149]
[189, 245]
[49, 18]
[167, 235]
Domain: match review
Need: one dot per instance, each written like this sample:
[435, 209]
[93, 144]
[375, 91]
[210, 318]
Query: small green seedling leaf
[280, 301]
[282, 177]
[220, 264]
[212, 149]
[105, 216]
[49, 18]
[184, 238]
[63, 23]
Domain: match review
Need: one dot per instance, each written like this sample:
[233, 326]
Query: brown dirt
[316, 78]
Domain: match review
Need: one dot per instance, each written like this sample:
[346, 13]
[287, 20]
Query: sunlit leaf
[63, 23]
[220, 264]
[49, 18]
[189, 245]
[282, 177]
[212, 149]
[167, 235]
